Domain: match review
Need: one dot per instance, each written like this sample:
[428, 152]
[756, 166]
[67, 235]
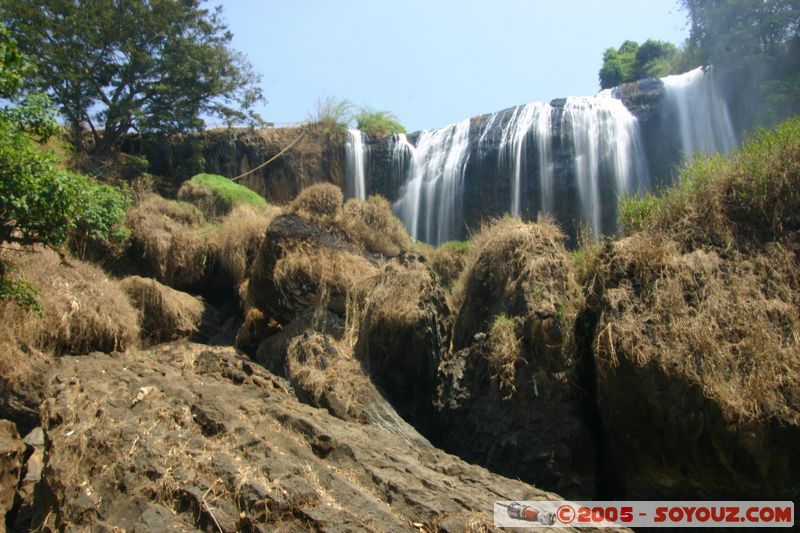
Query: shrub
[372, 225]
[377, 123]
[321, 202]
[217, 195]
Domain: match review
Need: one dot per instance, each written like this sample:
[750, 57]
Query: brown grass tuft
[171, 241]
[84, 310]
[164, 313]
[504, 354]
[202, 197]
[321, 202]
[725, 321]
[448, 261]
[322, 274]
[373, 226]
[239, 237]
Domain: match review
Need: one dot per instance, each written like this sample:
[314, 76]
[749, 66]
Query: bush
[372, 225]
[752, 195]
[216, 195]
[321, 202]
[377, 123]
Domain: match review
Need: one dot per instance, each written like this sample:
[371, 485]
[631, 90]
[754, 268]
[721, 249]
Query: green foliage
[755, 50]
[752, 193]
[505, 322]
[100, 221]
[332, 114]
[462, 247]
[229, 192]
[631, 62]
[377, 123]
[113, 66]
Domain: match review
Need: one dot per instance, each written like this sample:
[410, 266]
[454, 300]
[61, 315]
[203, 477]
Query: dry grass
[84, 310]
[164, 314]
[171, 241]
[504, 354]
[255, 328]
[396, 298]
[726, 321]
[321, 273]
[373, 226]
[448, 261]
[238, 239]
[321, 202]
[202, 197]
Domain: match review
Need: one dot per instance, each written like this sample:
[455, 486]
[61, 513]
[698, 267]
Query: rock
[303, 265]
[277, 465]
[12, 451]
[34, 442]
[404, 334]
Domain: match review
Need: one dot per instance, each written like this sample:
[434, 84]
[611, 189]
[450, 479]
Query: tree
[113, 66]
[631, 62]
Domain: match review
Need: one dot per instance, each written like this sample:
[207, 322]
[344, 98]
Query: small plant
[377, 123]
[332, 114]
[20, 291]
[504, 354]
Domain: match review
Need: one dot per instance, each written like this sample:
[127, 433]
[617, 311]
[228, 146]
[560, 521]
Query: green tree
[117, 65]
[632, 61]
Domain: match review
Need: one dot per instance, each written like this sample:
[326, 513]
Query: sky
[435, 62]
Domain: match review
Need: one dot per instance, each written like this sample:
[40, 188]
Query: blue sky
[435, 62]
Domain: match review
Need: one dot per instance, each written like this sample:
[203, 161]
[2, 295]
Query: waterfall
[607, 152]
[529, 120]
[430, 199]
[355, 155]
[703, 121]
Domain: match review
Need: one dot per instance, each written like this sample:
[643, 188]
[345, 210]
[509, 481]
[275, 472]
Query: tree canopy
[632, 61]
[116, 65]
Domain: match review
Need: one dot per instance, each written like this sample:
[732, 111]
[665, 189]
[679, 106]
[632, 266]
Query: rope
[262, 165]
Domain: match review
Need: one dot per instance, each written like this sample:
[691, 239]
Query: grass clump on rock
[164, 314]
[217, 195]
[448, 261]
[372, 225]
[321, 202]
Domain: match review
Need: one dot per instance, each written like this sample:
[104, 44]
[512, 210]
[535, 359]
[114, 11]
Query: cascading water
[355, 155]
[529, 120]
[606, 147]
[430, 200]
[702, 115]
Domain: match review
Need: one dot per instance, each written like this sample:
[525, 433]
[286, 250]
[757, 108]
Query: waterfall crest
[355, 155]
[704, 122]
[430, 199]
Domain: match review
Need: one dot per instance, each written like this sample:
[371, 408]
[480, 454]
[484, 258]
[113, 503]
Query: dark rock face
[200, 438]
[11, 460]
[404, 334]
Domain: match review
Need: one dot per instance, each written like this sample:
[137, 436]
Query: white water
[703, 120]
[355, 155]
[531, 119]
[430, 200]
[605, 144]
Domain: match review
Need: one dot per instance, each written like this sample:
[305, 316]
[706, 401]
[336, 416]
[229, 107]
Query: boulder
[12, 451]
[201, 438]
[404, 334]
